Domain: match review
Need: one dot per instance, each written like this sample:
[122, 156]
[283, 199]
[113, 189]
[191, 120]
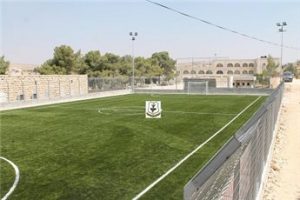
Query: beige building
[18, 69]
[226, 72]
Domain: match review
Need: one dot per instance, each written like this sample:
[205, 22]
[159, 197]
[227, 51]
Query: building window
[229, 72]
[237, 65]
[219, 65]
[245, 65]
[229, 65]
[243, 84]
[185, 72]
[248, 84]
[251, 72]
[219, 72]
[193, 72]
[245, 72]
[237, 72]
[201, 72]
[251, 65]
[208, 72]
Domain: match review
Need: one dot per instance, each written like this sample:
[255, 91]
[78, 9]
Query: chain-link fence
[204, 89]
[106, 84]
[236, 171]
[98, 84]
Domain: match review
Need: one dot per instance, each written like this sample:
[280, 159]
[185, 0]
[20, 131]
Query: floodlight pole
[281, 25]
[133, 36]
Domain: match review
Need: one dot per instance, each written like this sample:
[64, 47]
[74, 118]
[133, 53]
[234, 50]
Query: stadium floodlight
[281, 25]
[133, 36]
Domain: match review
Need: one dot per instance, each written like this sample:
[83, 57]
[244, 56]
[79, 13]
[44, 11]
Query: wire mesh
[239, 176]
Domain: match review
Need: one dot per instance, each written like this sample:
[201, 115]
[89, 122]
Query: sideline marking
[190, 154]
[16, 179]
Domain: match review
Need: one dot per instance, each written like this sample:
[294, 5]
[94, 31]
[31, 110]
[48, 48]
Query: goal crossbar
[199, 87]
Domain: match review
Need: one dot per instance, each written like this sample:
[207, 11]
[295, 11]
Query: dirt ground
[283, 182]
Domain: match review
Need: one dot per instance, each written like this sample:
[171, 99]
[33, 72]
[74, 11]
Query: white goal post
[197, 87]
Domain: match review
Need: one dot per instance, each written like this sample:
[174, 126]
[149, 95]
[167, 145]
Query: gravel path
[283, 181]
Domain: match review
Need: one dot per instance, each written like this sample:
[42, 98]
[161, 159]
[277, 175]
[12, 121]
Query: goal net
[199, 87]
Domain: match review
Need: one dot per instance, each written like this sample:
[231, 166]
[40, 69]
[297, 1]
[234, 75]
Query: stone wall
[18, 88]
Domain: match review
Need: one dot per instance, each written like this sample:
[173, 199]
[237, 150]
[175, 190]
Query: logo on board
[153, 109]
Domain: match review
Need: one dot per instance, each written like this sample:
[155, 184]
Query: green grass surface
[71, 151]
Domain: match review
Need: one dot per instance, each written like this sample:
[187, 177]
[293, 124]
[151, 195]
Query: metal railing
[236, 171]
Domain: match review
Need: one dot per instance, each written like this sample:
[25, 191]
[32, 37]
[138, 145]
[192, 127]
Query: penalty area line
[191, 153]
[16, 179]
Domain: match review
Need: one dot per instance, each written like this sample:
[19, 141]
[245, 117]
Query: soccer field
[106, 148]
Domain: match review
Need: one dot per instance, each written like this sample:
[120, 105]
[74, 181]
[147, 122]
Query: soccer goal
[199, 87]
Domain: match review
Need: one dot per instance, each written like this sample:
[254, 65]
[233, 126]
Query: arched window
[237, 72]
[219, 65]
[229, 72]
[219, 72]
[245, 65]
[185, 72]
[251, 72]
[208, 72]
[229, 65]
[193, 72]
[251, 65]
[237, 65]
[201, 72]
[245, 72]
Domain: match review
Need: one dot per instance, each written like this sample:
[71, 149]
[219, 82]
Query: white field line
[16, 179]
[124, 109]
[199, 113]
[191, 153]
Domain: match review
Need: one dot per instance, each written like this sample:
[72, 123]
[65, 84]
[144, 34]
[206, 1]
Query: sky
[30, 30]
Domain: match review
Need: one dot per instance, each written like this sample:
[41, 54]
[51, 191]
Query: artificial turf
[106, 149]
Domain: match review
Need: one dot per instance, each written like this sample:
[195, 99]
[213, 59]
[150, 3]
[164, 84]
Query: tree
[290, 67]
[92, 62]
[111, 63]
[125, 65]
[3, 65]
[271, 68]
[64, 61]
[167, 64]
